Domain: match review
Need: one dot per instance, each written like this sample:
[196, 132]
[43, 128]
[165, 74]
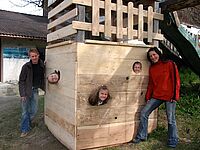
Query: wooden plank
[110, 134]
[59, 8]
[117, 98]
[117, 83]
[107, 27]
[61, 121]
[150, 23]
[176, 19]
[60, 96]
[155, 36]
[119, 20]
[63, 18]
[114, 61]
[140, 23]
[158, 16]
[59, 44]
[64, 137]
[61, 33]
[130, 21]
[100, 115]
[87, 26]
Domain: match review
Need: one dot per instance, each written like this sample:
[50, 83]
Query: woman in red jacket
[163, 87]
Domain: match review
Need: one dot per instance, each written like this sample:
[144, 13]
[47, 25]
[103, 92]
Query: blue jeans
[151, 105]
[29, 110]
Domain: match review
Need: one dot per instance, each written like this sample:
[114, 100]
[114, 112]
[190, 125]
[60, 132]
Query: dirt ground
[39, 138]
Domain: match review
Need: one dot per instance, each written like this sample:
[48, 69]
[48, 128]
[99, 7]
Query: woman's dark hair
[157, 51]
[94, 96]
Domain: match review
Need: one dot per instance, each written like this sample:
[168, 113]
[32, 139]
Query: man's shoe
[172, 146]
[23, 134]
[137, 141]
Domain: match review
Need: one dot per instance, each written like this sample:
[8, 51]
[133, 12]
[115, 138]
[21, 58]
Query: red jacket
[164, 81]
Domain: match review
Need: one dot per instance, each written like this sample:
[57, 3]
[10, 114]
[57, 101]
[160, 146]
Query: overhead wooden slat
[119, 20]
[63, 18]
[63, 32]
[140, 23]
[107, 18]
[95, 17]
[87, 27]
[150, 23]
[59, 8]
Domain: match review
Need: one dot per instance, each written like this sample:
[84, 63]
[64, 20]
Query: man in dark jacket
[31, 78]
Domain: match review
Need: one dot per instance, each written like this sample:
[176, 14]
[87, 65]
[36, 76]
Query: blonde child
[100, 96]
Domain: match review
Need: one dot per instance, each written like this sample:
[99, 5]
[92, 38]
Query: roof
[14, 24]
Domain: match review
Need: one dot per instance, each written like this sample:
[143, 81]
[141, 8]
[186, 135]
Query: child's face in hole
[103, 94]
[53, 78]
[137, 68]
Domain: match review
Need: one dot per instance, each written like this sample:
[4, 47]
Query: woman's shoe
[137, 141]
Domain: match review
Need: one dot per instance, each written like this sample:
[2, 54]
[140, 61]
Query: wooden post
[81, 17]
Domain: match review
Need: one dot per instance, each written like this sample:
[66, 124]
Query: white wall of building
[12, 68]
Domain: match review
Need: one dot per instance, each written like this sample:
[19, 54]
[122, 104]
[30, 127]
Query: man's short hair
[33, 50]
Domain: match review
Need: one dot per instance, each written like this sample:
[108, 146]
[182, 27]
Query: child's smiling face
[103, 94]
[53, 78]
[137, 68]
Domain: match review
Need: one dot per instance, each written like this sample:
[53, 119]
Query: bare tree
[39, 3]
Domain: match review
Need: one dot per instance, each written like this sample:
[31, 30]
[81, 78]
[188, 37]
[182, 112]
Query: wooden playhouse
[86, 63]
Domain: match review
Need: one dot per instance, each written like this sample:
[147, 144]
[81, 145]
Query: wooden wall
[111, 65]
[60, 98]
[84, 67]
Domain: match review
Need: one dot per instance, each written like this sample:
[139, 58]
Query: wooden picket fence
[65, 20]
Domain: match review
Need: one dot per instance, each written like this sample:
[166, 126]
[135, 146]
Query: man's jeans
[151, 105]
[29, 110]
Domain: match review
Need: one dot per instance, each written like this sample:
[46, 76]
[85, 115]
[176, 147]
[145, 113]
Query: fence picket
[130, 21]
[150, 23]
[140, 23]
[119, 20]
[95, 17]
[107, 26]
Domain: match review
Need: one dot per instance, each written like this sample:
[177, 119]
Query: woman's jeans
[29, 110]
[151, 105]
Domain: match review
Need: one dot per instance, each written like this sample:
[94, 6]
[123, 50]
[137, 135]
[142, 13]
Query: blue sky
[30, 9]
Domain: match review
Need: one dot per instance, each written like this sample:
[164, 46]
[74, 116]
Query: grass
[38, 139]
